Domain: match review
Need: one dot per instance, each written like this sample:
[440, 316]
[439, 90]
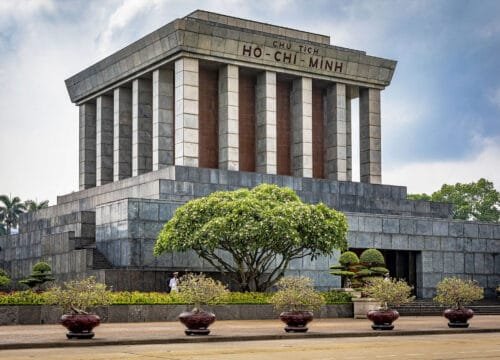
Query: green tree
[473, 201]
[10, 211]
[423, 196]
[252, 235]
[32, 205]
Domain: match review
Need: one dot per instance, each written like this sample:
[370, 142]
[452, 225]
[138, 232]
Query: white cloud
[429, 176]
[23, 8]
[122, 16]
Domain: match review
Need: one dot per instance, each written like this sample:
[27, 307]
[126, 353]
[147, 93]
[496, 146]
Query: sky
[440, 115]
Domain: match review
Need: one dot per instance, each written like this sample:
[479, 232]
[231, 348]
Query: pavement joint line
[238, 338]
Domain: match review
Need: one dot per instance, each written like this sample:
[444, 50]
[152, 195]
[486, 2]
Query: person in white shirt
[173, 282]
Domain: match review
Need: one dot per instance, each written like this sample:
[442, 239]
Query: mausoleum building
[212, 102]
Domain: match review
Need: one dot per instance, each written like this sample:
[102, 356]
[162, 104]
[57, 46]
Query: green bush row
[29, 297]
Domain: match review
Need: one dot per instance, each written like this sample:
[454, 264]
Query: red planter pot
[382, 319]
[80, 326]
[197, 323]
[296, 321]
[458, 318]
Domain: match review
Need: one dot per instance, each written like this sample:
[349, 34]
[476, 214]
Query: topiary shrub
[372, 257]
[346, 267]
[348, 258]
[41, 267]
[41, 273]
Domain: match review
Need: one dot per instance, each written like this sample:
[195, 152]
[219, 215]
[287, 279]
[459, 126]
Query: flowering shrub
[197, 289]
[456, 293]
[79, 295]
[296, 293]
[390, 292]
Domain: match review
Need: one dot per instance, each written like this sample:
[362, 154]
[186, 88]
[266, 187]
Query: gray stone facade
[109, 231]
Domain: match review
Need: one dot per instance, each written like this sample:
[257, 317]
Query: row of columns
[155, 123]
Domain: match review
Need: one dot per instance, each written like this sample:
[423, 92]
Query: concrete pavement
[47, 336]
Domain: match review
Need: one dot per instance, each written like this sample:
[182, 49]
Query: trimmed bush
[348, 258]
[372, 257]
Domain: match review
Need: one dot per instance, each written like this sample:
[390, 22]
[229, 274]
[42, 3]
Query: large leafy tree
[473, 201]
[32, 205]
[10, 210]
[252, 235]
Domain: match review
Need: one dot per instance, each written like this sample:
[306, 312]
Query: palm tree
[32, 205]
[3, 230]
[11, 209]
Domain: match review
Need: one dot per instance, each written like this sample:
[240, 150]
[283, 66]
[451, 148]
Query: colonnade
[154, 122]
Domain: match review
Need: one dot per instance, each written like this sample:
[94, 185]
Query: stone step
[99, 260]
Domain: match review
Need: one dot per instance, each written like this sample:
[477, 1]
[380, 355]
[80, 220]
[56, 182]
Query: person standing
[174, 282]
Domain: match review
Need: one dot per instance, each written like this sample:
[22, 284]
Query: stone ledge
[45, 314]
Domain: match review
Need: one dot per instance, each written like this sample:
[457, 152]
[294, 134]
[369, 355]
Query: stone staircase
[99, 261]
[426, 307]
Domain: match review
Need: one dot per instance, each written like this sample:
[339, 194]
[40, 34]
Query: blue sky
[440, 116]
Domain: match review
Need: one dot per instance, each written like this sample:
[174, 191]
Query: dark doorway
[402, 265]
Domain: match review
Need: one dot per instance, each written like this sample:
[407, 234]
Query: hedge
[29, 297]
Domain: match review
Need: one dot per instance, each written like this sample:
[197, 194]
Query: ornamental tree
[252, 235]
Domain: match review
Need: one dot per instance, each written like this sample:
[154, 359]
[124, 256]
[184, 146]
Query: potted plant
[197, 289]
[456, 293]
[389, 292]
[76, 297]
[297, 299]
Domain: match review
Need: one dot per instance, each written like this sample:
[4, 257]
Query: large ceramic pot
[197, 322]
[458, 317]
[296, 321]
[382, 319]
[80, 325]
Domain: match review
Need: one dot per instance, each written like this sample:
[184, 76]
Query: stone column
[265, 111]
[335, 134]
[87, 151]
[228, 118]
[186, 112]
[122, 135]
[104, 143]
[348, 132]
[370, 136]
[142, 126]
[163, 118]
[301, 106]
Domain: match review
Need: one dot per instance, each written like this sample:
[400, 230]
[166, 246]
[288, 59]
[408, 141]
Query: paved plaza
[452, 346]
[44, 336]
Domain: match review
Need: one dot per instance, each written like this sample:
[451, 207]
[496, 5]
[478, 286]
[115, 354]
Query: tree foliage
[32, 205]
[473, 201]
[252, 235]
[4, 278]
[10, 210]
